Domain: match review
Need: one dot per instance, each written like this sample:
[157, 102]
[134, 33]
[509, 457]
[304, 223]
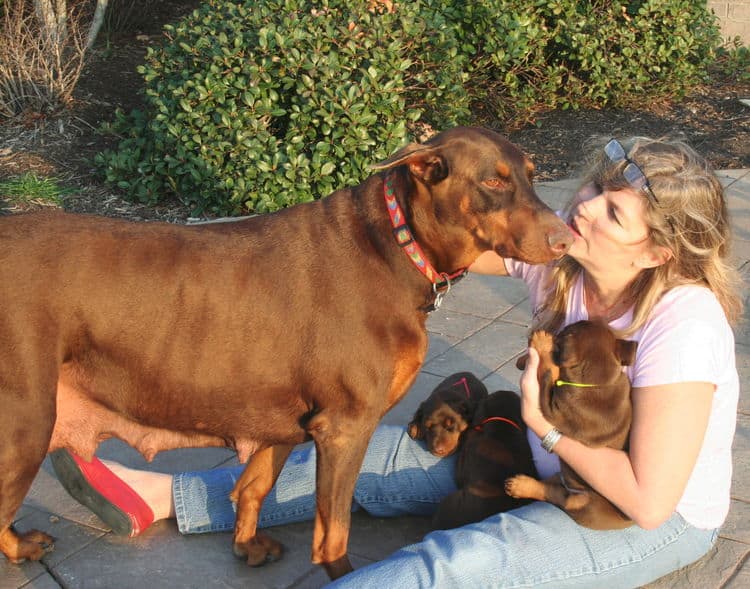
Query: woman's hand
[489, 263]
[530, 409]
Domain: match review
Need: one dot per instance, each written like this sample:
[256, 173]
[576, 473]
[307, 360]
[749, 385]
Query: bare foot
[155, 488]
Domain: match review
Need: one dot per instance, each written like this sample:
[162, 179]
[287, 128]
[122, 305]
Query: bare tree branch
[96, 23]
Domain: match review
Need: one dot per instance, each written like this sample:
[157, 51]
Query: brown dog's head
[589, 352]
[445, 415]
[476, 186]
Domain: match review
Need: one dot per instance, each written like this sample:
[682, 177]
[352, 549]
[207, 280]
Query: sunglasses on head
[632, 173]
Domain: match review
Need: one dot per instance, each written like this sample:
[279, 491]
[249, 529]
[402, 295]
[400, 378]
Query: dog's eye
[497, 183]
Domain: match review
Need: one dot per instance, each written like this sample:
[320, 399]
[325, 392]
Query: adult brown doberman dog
[308, 323]
[583, 392]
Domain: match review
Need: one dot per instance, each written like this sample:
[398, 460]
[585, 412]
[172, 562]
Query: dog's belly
[82, 422]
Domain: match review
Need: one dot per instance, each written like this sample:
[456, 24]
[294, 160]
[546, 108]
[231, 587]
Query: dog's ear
[625, 351]
[415, 429]
[425, 162]
[521, 361]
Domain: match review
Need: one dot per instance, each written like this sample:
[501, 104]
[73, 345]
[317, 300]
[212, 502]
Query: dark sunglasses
[632, 173]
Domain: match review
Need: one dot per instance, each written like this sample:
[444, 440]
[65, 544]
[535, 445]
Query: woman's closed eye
[612, 213]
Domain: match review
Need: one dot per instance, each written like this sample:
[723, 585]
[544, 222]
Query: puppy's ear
[625, 351]
[521, 361]
[567, 354]
[415, 429]
[466, 409]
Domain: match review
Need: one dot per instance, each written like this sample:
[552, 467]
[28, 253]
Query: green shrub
[733, 60]
[258, 105]
[531, 54]
[621, 53]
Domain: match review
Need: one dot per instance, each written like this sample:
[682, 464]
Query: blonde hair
[690, 219]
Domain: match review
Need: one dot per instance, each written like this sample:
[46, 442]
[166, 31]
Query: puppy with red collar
[495, 447]
[446, 414]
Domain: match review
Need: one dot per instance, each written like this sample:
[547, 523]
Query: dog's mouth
[442, 452]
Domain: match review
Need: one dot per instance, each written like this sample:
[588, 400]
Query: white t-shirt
[687, 338]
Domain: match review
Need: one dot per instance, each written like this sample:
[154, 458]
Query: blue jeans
[535, 546]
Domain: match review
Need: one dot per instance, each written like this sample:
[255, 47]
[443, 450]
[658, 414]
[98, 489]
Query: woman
[649, 257]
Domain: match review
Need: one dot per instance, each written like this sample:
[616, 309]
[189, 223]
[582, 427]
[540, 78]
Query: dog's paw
[259, 550]
[542, 342]
[519, 486]
[31, 545]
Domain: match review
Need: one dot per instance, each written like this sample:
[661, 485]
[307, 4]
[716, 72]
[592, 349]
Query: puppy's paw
[520, 486]
[542, 342]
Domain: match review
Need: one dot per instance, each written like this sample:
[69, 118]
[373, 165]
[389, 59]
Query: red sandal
[92, 484]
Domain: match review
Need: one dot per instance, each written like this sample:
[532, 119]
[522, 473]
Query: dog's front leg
[550, 490]
[251, 489]
[341, 443]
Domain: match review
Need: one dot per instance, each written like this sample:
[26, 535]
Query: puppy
[586, 395]
[494, 448]
[447, 413]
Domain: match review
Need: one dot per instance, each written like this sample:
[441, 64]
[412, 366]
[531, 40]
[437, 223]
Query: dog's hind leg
[24, 440]
[248, 494]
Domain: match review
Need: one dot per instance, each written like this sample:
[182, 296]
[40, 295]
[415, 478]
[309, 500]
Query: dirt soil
[63, 144]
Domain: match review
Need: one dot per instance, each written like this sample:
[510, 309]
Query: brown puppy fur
[586, 352]
[308, 323]
[444, 416]
[494, 448]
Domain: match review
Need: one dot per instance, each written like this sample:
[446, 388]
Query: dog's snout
[560, 240]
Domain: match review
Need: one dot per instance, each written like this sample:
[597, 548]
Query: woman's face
[610, 228]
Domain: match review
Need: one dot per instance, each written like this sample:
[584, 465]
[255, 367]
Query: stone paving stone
[734, 175]
[439, 344]
[740, 252]
[735, 527]
[741, 578]
[163, 557]
[556, 194]
[743, 369]
[455, 325]
[44, 581]
[485, 296]
[19, 575]
[741, 459]
[483, 353]
[710, 572]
